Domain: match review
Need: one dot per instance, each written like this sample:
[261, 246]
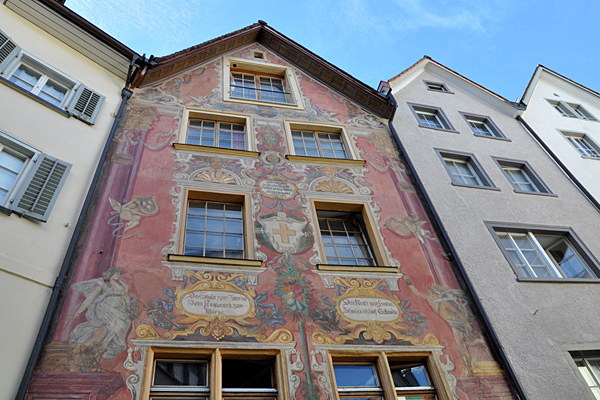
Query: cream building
[524, 234]
[60, 89]
[566, 118]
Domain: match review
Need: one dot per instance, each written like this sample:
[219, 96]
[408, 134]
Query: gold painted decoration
[215, 176]
[333, 186]
[370, 313]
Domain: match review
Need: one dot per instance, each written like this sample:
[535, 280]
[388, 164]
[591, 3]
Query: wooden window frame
[381, 361]
[218, 196]
[242, 119]
[258, 68]
[376, 242]
[351, 150]
[215, 357]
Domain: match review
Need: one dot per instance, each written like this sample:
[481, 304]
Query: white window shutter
[86, 104]
[39, 190]
[8, 51]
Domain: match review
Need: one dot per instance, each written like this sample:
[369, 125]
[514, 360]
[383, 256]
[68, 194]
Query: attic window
[259, 54]
[437, 87]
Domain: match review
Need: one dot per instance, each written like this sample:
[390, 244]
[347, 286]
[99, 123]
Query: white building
[60, 87]
[524, 234]
[566, 117]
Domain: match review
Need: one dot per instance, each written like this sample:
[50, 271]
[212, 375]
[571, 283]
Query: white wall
[32, 252]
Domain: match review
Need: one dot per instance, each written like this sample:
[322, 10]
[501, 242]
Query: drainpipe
[562, 166]
[454, 255]
[64, 269]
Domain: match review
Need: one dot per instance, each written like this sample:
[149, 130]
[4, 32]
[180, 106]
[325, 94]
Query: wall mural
[125, 294]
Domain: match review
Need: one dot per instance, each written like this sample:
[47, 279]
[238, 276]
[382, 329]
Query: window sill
[264, 103]
[559, 280]
[233, 262]
[536, 193]
[6, 211]
[218, 150]
[356, 268]
[493, 137]
[440, 91]
[34, 97]
[439, 129]
[476, 187]
[325, 160]
[590, 158]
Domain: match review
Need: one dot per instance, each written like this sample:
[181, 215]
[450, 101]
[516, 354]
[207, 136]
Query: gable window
[30, 180]
[541, 254]
[431, 117]
[522, 177]
[216, 132]
[464, 170]
[386, 376]
[572, 110]
[437, 87]
[483, 126]
[208, 374]
[51, 87]
[583, 144]
[259, 82]
[588, 365]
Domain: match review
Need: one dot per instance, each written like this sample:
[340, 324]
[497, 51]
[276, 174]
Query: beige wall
[32, 252]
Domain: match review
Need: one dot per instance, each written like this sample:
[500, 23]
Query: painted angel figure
[108, 310]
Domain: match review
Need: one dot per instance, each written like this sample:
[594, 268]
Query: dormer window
[254, 86]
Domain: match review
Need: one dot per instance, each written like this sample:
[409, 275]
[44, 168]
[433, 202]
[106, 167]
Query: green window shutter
[40, 188]
[8, 51]
[86, 104]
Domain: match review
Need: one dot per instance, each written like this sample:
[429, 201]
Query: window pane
[248, 374]
[568, 261]
[409, 375]
[344, 239]
[53, 93]
[355, 375]
[25, 78]
[181, 373]
[10, 166]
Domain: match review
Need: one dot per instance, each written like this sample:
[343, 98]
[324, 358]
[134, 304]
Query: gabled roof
[482, 92]
[536, 76]
[299, 56]
[75, 31]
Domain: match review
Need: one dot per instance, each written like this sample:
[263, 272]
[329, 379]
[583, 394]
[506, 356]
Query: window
[216, 132]
[588, 364]
[483, 126]
[583, 144]
[237, 374]
[544, 254]
[522, 177]
[328, 143]
[259, 82]
[369, 378]
[572, 110]
[430, 117]
[23, 71]
[437, 87]
[214, 226]
[348, 237]
[30, 180]
[464, 170]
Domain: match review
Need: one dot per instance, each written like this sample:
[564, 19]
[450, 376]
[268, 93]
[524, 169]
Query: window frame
[495, 132]
[528, 171]
[472, 163]
[438, 87]
[190, 114]
[372, 235]
[437, 112]
[571, 137]
[214, 356]
[232, 65]
[586, 356]
[572, 110]
[381, 361]
[567, 234]
[192, 194]
[339, 129]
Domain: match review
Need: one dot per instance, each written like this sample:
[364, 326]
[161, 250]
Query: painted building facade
[57, 101]
[524, 234]
[565, 115]
[254, 231]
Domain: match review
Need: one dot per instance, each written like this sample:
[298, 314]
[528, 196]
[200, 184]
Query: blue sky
[494, 43]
